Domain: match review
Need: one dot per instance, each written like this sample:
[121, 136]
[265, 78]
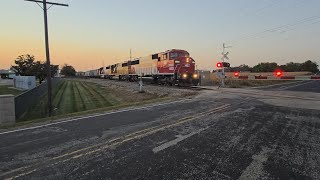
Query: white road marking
[91, 116]
[175, 141]
[296, 85]
[256, 170]
[267, 86]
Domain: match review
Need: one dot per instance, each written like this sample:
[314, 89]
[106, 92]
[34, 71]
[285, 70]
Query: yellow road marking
[184, 120]
[126, 138]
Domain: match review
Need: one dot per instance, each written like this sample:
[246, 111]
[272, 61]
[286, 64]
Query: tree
[68, 70]
[310, 66]
[241, 68]
[245, 67]
[27, 66]
[24, 65]
[292, 67]
[265, 67]
[40, 70]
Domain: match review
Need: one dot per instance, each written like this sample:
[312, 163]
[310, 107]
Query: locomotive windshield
[174, 55]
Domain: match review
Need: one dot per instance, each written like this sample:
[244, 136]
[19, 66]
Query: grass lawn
[9, 90]
[72, 96]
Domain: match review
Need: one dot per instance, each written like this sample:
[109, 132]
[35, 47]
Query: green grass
[72, 96]
[81, 113]
[9, 90]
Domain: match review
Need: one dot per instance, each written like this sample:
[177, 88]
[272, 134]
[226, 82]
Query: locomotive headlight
[187, 60]
[195, 76]
[184, 76]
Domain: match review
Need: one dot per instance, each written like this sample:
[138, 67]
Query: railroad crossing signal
[278, 73]
[223, 64]
[225, 56]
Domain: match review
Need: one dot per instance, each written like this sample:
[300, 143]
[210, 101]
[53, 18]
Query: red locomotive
[173, 67]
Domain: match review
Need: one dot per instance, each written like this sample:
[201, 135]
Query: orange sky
[89, 34]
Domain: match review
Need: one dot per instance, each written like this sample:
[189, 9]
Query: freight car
[172, 67]
[92, 73]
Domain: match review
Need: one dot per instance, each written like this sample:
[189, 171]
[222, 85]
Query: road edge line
[91, 116]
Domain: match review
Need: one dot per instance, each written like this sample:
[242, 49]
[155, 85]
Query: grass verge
[72, 98]
[5, 89]
[65, 117]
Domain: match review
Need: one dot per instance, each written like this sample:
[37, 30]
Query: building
[7, 74]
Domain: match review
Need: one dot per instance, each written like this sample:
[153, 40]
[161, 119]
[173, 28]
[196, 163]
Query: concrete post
[7, 109]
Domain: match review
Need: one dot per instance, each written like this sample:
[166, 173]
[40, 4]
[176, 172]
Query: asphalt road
[212, 136]
[303, 86]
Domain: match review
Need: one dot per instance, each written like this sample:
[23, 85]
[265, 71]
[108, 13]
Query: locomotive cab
[184, 68]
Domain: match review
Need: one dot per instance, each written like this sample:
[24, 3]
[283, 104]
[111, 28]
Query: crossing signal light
[236, 74]
[225, 64]
[278, 73]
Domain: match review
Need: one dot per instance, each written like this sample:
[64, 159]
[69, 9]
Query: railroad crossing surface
[271, 132]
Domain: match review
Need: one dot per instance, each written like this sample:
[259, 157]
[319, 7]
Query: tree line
[308, 66]
[27, 65]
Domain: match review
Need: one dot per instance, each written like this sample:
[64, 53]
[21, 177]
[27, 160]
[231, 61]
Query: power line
[276, 2]
[45, 14]
[257, 11]
[257, 35]
[280, 29]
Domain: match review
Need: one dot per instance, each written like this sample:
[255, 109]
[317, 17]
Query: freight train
[172, 67]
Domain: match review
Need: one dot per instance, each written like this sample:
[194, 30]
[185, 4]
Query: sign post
[224, 56]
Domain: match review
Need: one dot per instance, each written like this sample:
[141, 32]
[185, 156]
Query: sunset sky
[91, 33]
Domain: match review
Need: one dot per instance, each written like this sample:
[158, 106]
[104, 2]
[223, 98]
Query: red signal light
[278, 73]
[219, 65]
[236, 74]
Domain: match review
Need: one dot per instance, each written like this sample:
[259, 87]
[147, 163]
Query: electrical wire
[280, 29]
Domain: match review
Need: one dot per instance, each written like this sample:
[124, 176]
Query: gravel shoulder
[124, 87]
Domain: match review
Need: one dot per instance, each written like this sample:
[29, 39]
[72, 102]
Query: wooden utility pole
[45, 10]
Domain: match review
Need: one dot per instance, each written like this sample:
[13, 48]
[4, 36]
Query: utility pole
[45, 14]
[224, 56]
